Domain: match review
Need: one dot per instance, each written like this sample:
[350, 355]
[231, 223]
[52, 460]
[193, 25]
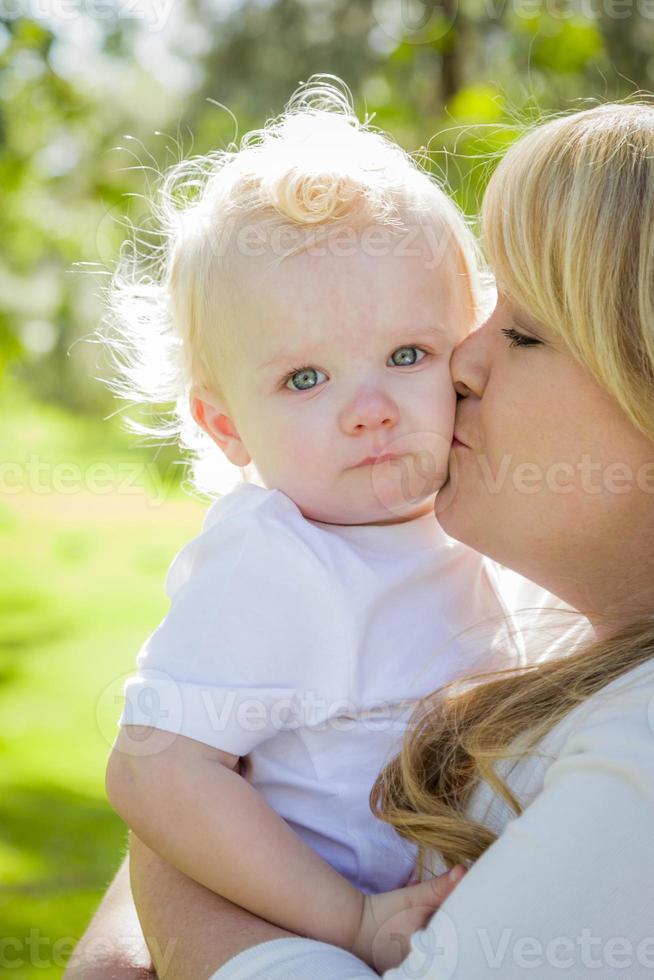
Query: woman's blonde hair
[568, 223]
[314, 170]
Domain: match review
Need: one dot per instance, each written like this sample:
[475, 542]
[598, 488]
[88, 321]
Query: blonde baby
[315, 281]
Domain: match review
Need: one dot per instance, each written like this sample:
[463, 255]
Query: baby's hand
[390, 919]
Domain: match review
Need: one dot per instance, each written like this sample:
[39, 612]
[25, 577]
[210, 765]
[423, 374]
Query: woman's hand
[390, 919]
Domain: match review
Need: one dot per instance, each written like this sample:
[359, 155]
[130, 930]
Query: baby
[316, 288]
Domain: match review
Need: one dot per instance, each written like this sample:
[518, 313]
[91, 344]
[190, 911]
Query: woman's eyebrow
[406, 333]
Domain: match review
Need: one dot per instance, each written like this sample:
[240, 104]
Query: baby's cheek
[441, 404]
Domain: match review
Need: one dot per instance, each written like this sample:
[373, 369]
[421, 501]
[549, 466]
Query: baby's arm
[185, 800]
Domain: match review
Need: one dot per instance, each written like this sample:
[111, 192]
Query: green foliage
[567, 47]
[81, 586]
[71, 178]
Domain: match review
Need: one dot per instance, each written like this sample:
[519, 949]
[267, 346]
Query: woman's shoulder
[609, 735]
[617, 721]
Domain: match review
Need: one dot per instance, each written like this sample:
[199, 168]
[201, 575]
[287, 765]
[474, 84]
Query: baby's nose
[369, 410]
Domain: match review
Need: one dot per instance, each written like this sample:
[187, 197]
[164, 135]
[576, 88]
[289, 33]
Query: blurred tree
[91, 108]
[630, 43]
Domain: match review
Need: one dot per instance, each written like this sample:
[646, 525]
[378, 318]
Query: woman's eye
[303, 379]
[405, 355]
[519, 339]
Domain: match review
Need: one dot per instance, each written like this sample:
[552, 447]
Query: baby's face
[338, 360]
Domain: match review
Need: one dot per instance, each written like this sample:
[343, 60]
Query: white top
[304, 646]
[568, 888]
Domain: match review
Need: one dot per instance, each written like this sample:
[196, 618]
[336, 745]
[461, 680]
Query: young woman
[541, 779]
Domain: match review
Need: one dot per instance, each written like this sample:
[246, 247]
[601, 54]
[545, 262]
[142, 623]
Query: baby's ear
[210, 413]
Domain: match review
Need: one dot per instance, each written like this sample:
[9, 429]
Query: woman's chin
[452, 513]
[442, 504]
[447, 491]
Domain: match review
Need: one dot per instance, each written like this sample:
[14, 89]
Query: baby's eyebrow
[282, 359]
[408, 334]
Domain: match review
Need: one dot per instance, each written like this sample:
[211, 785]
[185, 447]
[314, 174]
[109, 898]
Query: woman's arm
[567, 889]
[113, 947]
[190, 930]
[231, 833]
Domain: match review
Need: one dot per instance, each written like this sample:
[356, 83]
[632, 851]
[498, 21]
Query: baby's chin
[376, 512]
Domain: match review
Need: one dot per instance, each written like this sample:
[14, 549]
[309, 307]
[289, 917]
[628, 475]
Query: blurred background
[96, 96]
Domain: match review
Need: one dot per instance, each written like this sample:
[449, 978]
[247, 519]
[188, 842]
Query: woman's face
[549, 477]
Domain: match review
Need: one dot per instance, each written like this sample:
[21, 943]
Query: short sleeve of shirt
[254, 641]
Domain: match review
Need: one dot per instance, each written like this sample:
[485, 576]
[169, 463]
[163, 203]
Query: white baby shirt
[304, 646]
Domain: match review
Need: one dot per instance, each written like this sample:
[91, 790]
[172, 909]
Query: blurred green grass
[81, 585]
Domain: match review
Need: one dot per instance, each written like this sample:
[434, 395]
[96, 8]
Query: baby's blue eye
[405, 355]
[303, 379]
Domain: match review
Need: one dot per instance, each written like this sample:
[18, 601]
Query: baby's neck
[426, 507]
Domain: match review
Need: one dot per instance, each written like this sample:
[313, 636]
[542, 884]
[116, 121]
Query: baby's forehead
[330, 296]
[299, 257]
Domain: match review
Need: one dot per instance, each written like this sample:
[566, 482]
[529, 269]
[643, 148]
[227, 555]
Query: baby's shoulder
[250, 502]
[251, 534]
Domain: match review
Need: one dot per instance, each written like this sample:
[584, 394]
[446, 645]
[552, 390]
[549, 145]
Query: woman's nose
[469, 364]
[369, 410]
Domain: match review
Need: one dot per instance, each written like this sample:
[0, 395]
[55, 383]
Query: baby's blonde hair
[313, 170]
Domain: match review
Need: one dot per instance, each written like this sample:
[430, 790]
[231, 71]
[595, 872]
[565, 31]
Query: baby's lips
[420, 469]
